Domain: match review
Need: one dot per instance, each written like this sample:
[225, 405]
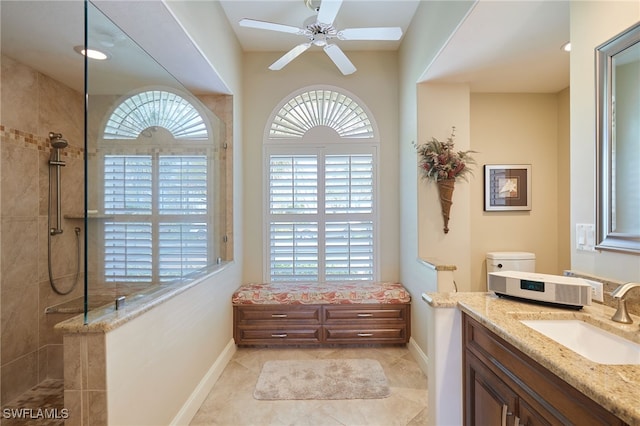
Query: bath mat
[322, 379]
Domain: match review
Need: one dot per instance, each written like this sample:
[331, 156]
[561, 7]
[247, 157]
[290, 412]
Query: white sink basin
[589, 341]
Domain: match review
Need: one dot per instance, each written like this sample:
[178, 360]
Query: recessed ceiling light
[566, 47]
[91, 53]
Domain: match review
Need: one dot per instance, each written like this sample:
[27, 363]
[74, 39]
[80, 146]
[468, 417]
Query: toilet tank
[510, 261]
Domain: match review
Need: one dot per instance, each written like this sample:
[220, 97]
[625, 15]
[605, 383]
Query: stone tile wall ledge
[437, 265]
[107, 318]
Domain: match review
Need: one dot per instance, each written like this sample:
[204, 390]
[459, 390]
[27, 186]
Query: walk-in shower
[55, 163]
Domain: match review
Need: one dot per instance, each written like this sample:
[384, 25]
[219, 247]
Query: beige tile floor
[231, 402]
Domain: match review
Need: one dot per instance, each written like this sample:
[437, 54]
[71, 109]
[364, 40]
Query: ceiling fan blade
[340, 59]
[328, 11]
[264, 25]
[373, 33]
[289, 56]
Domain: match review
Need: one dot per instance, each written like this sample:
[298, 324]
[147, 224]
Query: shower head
[57, 141]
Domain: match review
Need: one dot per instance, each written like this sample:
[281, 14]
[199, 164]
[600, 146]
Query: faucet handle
[621, 314]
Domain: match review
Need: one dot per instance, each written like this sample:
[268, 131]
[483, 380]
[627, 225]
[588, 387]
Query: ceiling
[508, 46]
[502, 46]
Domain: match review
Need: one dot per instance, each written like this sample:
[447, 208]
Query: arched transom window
[321, 108]
[155, 108]
[321, 167]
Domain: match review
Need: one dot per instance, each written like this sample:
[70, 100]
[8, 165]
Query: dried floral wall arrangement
[440, 162]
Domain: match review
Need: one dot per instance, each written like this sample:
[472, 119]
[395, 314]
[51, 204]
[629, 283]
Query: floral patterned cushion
[321, 293]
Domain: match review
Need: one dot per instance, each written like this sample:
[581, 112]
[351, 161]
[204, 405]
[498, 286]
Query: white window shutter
[294, 251]
[293, 184]
[160, 229]
[349, 251]
[321, 224]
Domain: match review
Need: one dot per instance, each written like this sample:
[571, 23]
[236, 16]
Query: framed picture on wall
[507, 187]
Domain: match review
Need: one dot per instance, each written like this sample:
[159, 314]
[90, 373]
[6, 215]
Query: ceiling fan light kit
[320, 31]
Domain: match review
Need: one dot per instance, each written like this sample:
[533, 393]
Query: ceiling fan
[320, 31]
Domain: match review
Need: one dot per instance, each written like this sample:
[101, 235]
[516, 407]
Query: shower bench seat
[321, 314]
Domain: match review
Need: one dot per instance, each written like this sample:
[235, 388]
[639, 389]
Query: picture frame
[507, 187]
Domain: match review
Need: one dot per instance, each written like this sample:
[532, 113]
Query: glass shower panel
[155, 172]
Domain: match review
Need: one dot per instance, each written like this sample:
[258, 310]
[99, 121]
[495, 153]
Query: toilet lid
[511, 255]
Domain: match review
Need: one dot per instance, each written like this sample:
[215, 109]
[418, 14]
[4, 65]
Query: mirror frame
[608, 239]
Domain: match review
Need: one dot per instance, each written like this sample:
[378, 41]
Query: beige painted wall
[593, 23]
[441, 107]
[503, 129]
[375, 84]
[517, 128]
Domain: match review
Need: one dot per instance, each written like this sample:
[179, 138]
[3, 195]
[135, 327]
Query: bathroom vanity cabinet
[503, 386]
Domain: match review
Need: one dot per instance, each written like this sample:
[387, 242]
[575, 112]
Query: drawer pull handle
[365, 315]
[278, 315]
[365, 334]
[282, 336]
[505, 413]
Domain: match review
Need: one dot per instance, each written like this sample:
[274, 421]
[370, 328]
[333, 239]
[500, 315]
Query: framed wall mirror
[618, 142]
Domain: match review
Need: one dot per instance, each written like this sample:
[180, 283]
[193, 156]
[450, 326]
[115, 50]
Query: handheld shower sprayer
[58, 143]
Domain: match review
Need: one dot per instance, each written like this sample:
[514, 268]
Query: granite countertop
[615, 387]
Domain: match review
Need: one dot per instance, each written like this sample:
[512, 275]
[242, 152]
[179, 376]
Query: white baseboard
[199, 394]
[421, 358]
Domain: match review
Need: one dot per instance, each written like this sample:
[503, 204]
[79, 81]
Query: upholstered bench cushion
[321, 293]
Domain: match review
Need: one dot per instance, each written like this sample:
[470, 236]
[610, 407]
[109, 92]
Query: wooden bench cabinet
[306, 324]
[503, 386]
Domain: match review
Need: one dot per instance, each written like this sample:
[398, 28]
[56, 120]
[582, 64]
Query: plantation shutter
[159, 229]
[321, 217]
[293, 205]
[128, 182]
[349, 196]
[182, 206]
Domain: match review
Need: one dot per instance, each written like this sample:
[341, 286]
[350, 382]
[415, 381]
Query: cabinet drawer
[360, 335]
[364, 312]
[277, 313]
[275, 335]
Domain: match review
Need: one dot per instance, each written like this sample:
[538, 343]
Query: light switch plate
[585, 236]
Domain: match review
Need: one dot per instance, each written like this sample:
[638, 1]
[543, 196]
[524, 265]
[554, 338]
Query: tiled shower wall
[32, 105]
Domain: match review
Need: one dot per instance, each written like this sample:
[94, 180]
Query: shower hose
[51, 234]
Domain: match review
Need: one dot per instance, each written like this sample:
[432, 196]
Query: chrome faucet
[619, 293]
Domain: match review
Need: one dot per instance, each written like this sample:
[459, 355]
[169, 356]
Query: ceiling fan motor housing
[319, 33]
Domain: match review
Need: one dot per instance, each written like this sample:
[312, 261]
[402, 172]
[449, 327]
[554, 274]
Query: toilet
[510, 261]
